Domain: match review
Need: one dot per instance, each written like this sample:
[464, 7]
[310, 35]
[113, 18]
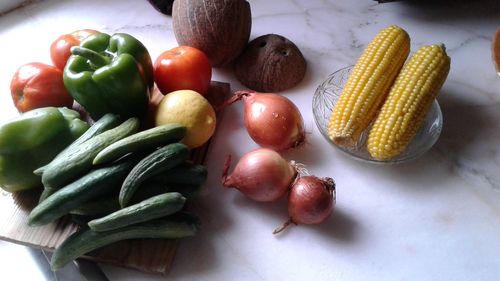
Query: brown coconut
[270, 63]
[220, 28]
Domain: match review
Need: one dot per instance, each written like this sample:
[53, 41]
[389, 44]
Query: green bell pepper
[33, 139]
[110, 74]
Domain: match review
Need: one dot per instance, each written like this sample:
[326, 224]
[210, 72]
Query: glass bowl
[326, 96]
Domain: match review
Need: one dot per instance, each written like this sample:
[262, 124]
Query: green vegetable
[106, 122]
[152, 208]
[31, 140]
[110, 74]
[98, 207]
[157, 162]
[86, 240]
[81, 220]
[91, 185]
[140, 141]
[107, 204]
[186, 173]
[46, 193]
[151, 188]
[77, 161]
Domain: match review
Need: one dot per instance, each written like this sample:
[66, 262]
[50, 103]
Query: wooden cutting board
[148, 255]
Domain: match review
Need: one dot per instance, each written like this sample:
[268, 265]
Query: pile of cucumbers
[119, 183]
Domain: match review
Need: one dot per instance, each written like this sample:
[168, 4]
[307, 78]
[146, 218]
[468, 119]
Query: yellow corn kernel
[368, 85]
[408, 102]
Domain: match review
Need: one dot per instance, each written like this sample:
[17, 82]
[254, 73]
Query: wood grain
[148, 255]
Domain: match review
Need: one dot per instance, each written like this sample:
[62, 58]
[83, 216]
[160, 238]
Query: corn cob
[408, 102]
[368, 85]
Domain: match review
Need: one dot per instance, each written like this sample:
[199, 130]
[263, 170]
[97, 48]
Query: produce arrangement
[395, 98]
[221, 29]
[84, 138]
[106, 133]
[264, 175]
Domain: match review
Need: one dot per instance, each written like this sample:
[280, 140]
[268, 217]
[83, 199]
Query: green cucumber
[46, 193]
[93, 184]
[157, 162]
[155, 207]
[104, 123]
[98, 206]
[154, 137]
[82, 220]
[78, 160]
[87, 240]
[186, 173]
[107, 204]
[150, 188]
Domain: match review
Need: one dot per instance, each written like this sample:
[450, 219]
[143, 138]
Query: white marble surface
[436, 218]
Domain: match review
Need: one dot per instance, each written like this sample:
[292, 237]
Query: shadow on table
[341, 226]
[464, 123]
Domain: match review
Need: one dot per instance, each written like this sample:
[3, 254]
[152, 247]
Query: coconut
[219, 28]
[270, 63]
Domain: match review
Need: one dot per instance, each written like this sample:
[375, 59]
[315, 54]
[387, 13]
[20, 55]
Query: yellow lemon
[190, 109]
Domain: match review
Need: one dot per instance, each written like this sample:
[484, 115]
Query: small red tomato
[183, 68]
[36, 85]
[60, 48]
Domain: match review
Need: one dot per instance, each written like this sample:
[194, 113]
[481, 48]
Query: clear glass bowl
[326, 96]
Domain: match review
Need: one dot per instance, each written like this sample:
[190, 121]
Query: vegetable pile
[104, 165]
[268, 64]
[135, 182]
[107, 134]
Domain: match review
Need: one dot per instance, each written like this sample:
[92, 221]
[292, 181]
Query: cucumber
[46, 193]
[98, 206]
[151, 188]
[186, 173]
[81, 220]
[93, 184]
[104, 123]
[87, 240]
[78, 160]
[107, 204]
[157, 162]
[155, 207]
[157, 136]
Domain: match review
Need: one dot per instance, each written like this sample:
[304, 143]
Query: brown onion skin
[273, 121]
[262, 175]
[311, 200]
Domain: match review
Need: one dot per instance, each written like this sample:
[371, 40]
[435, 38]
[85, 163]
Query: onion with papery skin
[310, 201]
[272, 120]
[262, 175]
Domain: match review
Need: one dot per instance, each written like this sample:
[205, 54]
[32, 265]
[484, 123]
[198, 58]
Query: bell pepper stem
[95, 58]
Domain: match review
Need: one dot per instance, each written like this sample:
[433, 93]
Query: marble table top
[434, 218]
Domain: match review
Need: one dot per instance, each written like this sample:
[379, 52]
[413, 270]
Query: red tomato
[182, 68]
[60, 48]
[36, 85]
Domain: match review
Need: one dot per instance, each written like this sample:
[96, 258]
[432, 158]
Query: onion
[310, 201]
[262, 175]
[272, 120]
